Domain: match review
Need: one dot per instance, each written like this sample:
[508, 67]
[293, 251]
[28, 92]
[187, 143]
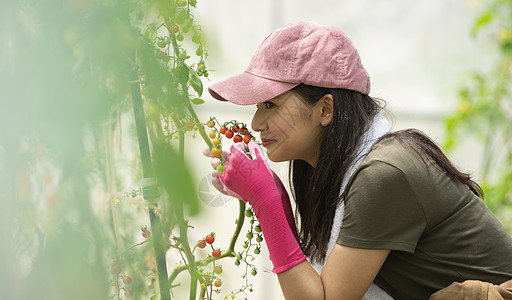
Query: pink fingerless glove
[253, 180]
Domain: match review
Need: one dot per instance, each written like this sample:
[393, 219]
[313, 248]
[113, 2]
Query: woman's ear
[326, 110]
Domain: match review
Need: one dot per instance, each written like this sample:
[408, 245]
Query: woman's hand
[252, 179]
[248, 174]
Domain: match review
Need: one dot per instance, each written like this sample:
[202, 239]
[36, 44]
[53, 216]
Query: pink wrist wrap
[253, 180]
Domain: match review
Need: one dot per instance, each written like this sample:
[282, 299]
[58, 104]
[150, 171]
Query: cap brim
[247, 89]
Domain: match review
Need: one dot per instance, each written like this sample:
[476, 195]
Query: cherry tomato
[221, 169]
[190, 125]
[209, 239]
[174, 28]
[237, 262]
[259, 238]
[201, 66]
[128, 293]
[192, 2]
[181, 3]
[223, 129]
[237, 138]
[217, 283]
[127, 280]
[216, 142]
[216, 152]
[216, 253]
[257, 228]
[257, 251]
[244, 130]
[201, 244]
[247, 138]
[229, 134]
[146, 233]
[249, 235]
[218, 270]
[248, 213]
[210, 123]
[254, 272]
[116, 269]
[235, 128]
[212, 134]
[180, 37]
[161, 43]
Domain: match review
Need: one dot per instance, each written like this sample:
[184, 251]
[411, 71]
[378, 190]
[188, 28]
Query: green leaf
[195, 81]
[150, 33]
[181, 72]
[197, 101]
[481, 21]
[173, 175]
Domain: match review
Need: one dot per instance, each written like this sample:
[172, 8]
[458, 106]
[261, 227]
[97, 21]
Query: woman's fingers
[215, 162]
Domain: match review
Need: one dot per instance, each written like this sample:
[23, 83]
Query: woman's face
[290, 129]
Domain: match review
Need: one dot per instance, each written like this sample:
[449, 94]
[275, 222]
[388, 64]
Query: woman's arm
[347, 274]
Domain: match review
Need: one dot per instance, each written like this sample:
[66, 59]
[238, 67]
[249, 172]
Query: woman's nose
[258, 121]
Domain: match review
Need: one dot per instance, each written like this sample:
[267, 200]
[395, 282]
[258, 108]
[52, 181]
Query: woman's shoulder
[392, 150]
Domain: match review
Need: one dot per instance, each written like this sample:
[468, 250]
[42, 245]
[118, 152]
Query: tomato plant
[86, 179]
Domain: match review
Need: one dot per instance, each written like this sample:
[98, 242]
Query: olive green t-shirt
[438, 231]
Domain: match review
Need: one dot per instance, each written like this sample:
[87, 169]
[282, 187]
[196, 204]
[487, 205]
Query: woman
[375, 208]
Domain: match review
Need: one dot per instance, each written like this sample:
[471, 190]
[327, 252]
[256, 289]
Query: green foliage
[69, 208]
[485, 110]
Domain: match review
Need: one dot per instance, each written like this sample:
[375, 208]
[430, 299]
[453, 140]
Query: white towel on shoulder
[379, 127]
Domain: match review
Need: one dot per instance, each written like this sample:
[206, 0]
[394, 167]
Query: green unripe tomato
[259, 238]
[221, 168]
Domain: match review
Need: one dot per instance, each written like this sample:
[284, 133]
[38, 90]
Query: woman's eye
[269, 105]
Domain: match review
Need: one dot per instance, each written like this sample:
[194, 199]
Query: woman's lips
[266, 142]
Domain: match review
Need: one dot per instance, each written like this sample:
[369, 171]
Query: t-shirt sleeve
[382, 210]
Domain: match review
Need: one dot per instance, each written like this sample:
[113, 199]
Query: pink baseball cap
[302, 52]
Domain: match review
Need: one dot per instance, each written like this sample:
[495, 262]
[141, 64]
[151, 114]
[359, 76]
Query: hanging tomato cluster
[231, 130]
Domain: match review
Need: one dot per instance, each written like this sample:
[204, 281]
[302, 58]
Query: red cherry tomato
[247, 138]
[223, 129]
[217, 283]
[209, 239]
[229, 134]
[201, 244]
[216, 253]
[237, 138]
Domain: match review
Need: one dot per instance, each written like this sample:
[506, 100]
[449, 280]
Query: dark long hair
[317, 190]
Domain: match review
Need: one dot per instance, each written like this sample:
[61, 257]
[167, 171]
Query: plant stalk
[147, 171]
